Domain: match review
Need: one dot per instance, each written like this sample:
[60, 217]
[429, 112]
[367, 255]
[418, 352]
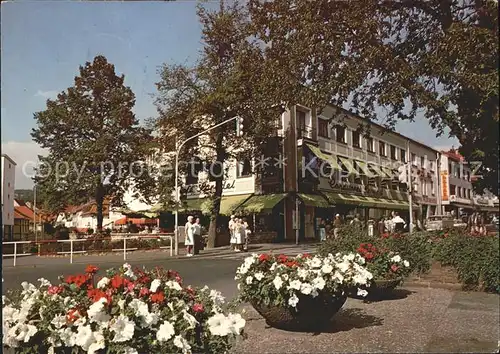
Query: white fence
[73, 243]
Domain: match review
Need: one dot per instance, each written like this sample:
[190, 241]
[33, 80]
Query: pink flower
[54, 290]
[198, 307]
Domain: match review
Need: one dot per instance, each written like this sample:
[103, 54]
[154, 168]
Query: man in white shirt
[398, 222]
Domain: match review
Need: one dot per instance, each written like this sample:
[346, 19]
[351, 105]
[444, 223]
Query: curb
[432, 285]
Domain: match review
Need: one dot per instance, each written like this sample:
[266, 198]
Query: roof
[385, 128]
[18, 215]
[454, 155]
[8, 158]
[27, 213]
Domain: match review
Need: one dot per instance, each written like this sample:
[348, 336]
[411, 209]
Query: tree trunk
[214, 217]
[99, 199]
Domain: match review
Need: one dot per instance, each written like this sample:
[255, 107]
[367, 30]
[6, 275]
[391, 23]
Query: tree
[96, 148]
[391, 59]
[221, 85]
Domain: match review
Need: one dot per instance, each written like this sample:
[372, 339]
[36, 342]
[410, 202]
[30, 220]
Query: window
[244, 168]
[402, 153]
[323, 128]
[340, 134]
[381, 149]
[8, 196]
[393, 152]
[413, 158]
[468, 194]
[424, 188]
[459, 192]
[453, 189]
[431, 165]
[433, 191]
[370, 145]
[422, 161]
[356, 139]
[301, 120]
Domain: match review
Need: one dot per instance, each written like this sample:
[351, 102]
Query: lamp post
[239, 132]
[410, 185]
[34, 213]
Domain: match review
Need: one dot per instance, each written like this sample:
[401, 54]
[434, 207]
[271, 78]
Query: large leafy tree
[222, 84]
[96, 148]
[391, 59]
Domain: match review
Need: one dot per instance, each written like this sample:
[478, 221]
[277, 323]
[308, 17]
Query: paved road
[217, 273]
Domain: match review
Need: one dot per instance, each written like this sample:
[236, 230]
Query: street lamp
[239, 132]
[34, 213]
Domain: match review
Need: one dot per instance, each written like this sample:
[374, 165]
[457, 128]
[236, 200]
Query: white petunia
[396, 258]
[315, 262]
[406, 263]
[306, 288]
[98, 343]
[259, 276]
[58, 321]
[84, 337]
[155, 284]
[327, 268]
[25, 332]
[129, 350]
[362, 292]
[278, 282]
[285, 277]
[295, 284]
[128, 271]
[183, 344]
[121, 304]
[165, 332]
[343, 266]
[102, 283]
[173, 285]
[236, 322]
[44, 282]
[123, 328]
[189, 319]
[339, 278]
[140, 307]
[97, 313]
[302, 273]
[350, 257]
[319, 283]
[219, 325]
[293, 301]
[249, 280]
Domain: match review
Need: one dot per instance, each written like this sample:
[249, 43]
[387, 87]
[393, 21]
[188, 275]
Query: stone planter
[311, 314]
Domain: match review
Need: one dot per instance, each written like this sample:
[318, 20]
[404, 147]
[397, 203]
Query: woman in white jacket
[189, 232]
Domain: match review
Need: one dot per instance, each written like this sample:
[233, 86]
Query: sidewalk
[138, 256]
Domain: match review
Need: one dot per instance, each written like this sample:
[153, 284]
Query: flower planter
[377, 288]
[311, 313]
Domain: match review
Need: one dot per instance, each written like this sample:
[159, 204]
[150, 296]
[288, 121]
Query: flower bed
[128, 311]
[299, 292]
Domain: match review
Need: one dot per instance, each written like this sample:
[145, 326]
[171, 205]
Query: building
[8, 187]
[316, 165]
[458, 197]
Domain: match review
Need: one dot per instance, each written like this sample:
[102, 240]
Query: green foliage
[476, 260]
[348, 240]
[435, 57]
[96, 149]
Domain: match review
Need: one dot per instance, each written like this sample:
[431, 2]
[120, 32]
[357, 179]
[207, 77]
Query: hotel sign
[194, 188]
[445, 196]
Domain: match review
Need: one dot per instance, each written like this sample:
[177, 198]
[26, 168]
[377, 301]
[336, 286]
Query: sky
[45, 42]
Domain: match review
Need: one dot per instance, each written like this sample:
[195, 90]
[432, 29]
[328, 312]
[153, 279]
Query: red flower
[97, 294]
[178, 279]
[291, 264]
[78, 280]
[144, 291]
[394, 268]
[54, 290]
[130, 286]
[282, 258]
[72, 315]
[118, 282]
[91, 269]
[385, 235]
[158, 297]
[264, 257]
[368, 256]
[198, 308]
[306, 255]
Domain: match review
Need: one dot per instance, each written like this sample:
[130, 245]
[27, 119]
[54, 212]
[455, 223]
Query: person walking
[356, 222]
[381, 226]
[231, 227]
[337, 224]
[247, 234]
[239, 235]
[322, 230]
[398, 223]
[189, 239]
[197, 236]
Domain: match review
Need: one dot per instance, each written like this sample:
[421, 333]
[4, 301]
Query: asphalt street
[216, 273]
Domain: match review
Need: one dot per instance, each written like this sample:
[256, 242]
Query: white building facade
[8, 188]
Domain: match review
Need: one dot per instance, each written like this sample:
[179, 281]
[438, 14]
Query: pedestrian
[398, 223]
[322, 230]
[239, 235]
[189, 239]
[197, 236]
[356, 222]
[381, 226]
[337, 224]
[247, 234]
[231, 226]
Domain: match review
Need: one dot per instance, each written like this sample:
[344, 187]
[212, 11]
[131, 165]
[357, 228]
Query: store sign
[444, 187]
[194, 188]
[429, 200]
[482, 201]
[345, 186]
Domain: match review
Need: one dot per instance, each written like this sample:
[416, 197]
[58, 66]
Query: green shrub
[475, 259]
[348, 240]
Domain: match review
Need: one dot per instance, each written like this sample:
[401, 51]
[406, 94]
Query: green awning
[331, 159]
[367, 202]
[349, 165]
[260, 203]
[379, 170]
[388, 171]
[366, 170]
[229, 203]
[314, 200]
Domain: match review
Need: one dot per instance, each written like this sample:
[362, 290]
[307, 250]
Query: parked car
[459, 223]
[439, 222]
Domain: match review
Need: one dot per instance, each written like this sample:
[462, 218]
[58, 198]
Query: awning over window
[363, 201]
[348, 164]
[388, 171]
[260, 203]
[379, 171]
[331, 159]
[229, 203]
[364, 166]
[314, 200]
